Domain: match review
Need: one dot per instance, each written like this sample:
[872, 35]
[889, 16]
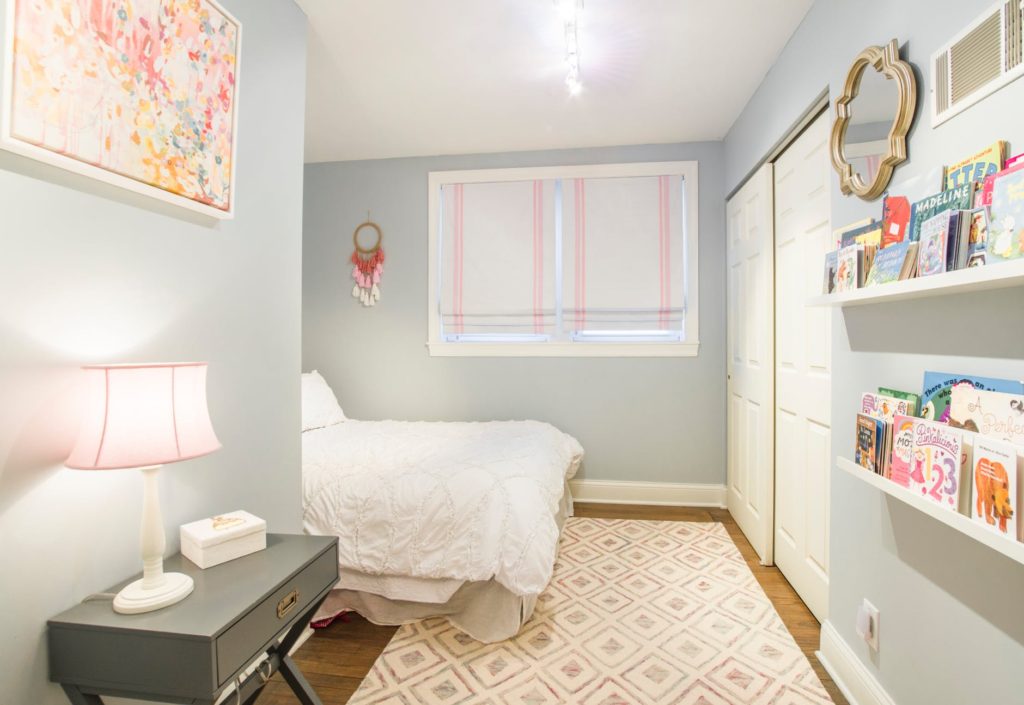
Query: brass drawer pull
[287, 603]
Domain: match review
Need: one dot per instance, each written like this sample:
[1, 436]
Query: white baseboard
[669, 494]
[852, 677]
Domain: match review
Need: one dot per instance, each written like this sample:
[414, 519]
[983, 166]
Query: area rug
[637, 613]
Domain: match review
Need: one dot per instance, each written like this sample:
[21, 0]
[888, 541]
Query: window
[577, 261]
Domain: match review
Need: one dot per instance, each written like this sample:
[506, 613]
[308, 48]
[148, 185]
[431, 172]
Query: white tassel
[375, 292]
[355, 291]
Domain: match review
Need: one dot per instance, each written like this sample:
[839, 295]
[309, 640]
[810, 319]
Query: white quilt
[464, 501]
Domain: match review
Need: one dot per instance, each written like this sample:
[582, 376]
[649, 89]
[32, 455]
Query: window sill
[446, 349]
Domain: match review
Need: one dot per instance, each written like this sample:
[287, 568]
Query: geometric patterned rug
[637, 613]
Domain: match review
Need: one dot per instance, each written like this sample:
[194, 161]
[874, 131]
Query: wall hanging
[140, 94]
[368, 264]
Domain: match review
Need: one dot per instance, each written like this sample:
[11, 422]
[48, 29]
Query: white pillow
[319, 405]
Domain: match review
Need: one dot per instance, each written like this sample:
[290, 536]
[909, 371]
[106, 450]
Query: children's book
[976, 167]
[870, 234]
[977, 237]
[935, 463]
[995, 486]
[902, 450]
[895, 219]
[959, 198]
[837, 234]
[938, 390]
[1006, 237]
[988, 186]
[1014, 160]
[848, 264]
[994, 414]
[885, 409]
[870, 432]
[831, 261]
[890, 264]
[931, 252]
[913, 399]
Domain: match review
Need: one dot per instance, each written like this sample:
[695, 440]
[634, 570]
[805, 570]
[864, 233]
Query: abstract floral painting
[140, 93]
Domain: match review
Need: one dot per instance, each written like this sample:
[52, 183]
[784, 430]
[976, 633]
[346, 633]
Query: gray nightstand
[192, 651]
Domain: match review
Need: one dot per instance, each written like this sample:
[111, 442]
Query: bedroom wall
[93, 274]
[952, 627]
[639, 419]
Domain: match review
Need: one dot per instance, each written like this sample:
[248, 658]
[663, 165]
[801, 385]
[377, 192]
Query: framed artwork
[142, 94]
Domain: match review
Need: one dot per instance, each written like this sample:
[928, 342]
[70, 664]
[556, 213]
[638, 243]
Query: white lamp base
[136, 598]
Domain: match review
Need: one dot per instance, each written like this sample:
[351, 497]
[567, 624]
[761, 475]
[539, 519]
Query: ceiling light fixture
[569, 12]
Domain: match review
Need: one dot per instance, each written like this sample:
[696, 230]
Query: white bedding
[456, 501]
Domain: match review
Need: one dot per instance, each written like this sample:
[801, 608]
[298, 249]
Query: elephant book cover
[995, 500]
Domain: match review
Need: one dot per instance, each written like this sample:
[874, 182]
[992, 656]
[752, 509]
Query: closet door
[750, 427]
[803, 366]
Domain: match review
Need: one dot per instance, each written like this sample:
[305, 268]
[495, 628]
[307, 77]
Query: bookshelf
[1008, 547]
[961, 281]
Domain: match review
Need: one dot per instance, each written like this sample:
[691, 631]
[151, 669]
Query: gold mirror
[873, 117]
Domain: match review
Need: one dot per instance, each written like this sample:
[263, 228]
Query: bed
[453, 519]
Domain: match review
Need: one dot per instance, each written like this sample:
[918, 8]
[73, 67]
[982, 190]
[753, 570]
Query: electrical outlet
[867, 624]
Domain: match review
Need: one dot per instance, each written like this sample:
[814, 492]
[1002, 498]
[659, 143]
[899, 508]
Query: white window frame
[599, 346]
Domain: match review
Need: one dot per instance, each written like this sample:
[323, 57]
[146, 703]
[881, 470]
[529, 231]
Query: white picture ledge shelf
[994, 276]
[1007, 546]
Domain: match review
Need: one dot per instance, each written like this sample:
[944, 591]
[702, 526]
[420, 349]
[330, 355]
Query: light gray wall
[638, 418]
[93, 274]
[952, 625]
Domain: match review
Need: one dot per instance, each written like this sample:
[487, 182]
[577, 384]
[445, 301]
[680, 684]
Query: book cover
[888, 264]
[977, 238]
[870, 234]
[994, 414]
[931, 253]
[959, 198]
[895, 219]
[884, 407]
[869, 438]
[938, 390]
[935, 463]
[902, 450]
[995, 486]
[990, 181]
[1006, 238]
[837, 234]
[848, 262]
[831, 262]
[1014, 160]
[976, 167]
[913, 399]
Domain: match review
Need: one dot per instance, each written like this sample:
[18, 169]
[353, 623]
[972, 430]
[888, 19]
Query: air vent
[980, 60]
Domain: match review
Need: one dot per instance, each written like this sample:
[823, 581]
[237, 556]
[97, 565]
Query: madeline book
[976, 167]
[931, 251]
[938, 390]
[892, 263]
[1006, 226]
[935, 463]
[994, 414]
[902, 450]
[995, 486]
[895, 219]
[959, 198]
[870, 432]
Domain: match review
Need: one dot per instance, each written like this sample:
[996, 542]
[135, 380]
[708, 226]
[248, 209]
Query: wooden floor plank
[337, 659]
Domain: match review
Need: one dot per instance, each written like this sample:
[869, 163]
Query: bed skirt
[485, 610]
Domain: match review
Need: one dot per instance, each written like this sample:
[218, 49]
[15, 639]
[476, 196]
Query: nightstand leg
[77, 697]
[300, 686]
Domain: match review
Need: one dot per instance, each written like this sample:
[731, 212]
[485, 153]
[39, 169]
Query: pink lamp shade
[142, 415]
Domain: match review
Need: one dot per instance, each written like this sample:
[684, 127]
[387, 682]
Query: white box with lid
[209, 542]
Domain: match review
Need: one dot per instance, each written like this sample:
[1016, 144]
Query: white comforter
[464, 501]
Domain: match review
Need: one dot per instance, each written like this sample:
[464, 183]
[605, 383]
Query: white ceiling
[395, 78]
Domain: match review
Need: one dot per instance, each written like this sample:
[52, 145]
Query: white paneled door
[750, 365]
[803, 366]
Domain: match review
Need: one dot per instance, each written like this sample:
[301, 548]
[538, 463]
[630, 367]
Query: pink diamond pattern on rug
[637, 613]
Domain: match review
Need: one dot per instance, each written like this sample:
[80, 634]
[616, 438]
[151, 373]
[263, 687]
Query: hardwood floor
[335, 660]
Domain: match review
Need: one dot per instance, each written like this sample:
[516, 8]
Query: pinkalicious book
[938, 390]
[995, 486]
[993, 414]
[1006, 226]
[902, 450]
[935, 463]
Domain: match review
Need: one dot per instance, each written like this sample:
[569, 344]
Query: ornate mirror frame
[885, 60]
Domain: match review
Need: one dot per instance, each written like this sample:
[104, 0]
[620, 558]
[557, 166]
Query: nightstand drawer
[248, 637]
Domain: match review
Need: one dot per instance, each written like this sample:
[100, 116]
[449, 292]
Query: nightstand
[192, 651]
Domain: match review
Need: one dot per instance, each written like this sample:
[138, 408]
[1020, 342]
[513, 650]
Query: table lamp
[143, 416]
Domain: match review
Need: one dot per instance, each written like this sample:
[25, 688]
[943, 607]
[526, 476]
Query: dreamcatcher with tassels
[368, 265]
